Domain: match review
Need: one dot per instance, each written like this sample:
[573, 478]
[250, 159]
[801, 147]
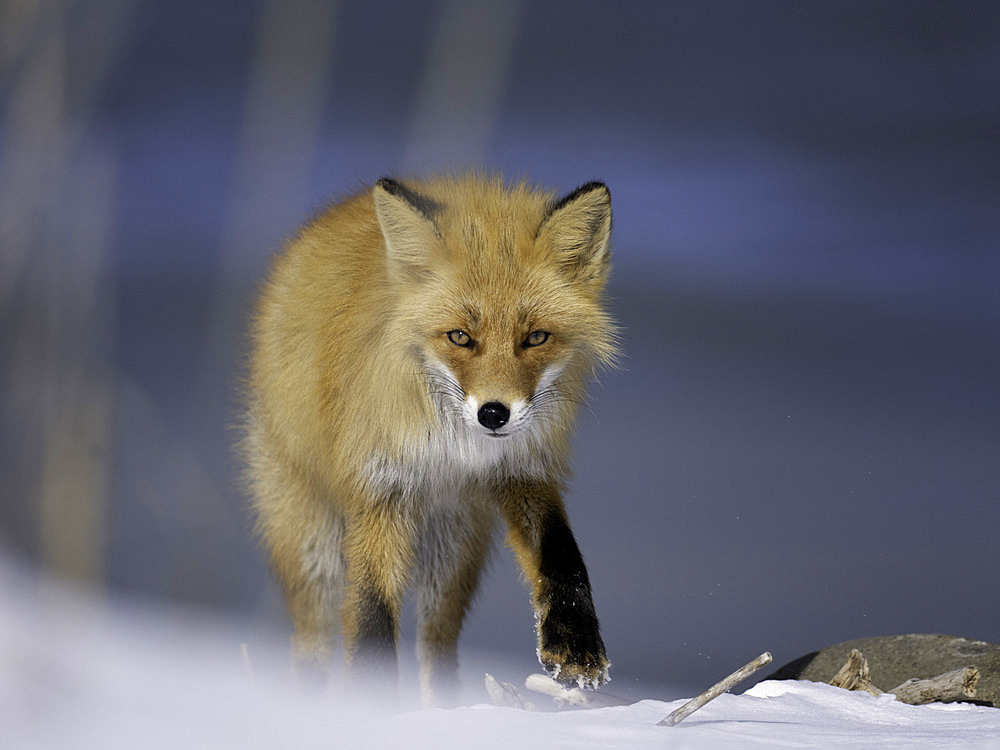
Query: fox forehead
[491, 237]
[489, 217]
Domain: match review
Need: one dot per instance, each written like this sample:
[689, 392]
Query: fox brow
[524, 316]
[470, 314]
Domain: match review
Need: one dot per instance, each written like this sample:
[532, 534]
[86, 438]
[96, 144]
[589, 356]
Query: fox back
[419, 352]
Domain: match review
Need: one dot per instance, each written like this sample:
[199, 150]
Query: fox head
[499, 297]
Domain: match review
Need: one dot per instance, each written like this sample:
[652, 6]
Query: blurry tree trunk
[78, 391]
[462, 86]
[55, 298]
[286, 94]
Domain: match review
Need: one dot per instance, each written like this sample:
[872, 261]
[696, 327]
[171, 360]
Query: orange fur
[370, 462]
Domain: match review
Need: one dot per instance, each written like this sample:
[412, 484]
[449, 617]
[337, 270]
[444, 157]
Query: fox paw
[588, 671]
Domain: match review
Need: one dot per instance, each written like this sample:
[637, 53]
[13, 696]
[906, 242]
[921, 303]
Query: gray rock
[896, 658]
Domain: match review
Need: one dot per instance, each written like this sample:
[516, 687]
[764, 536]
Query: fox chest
[447, 461]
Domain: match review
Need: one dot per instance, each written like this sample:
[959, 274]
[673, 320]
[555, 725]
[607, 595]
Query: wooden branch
[563, 697]
[715, 691]
[855, 674]
[951, 686]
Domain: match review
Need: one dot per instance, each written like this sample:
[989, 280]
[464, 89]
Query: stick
[541, 683]
[950, 686]
[715, 691]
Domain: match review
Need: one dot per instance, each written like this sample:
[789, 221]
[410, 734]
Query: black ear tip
[427, 207]
[591, 186]
[389, 185]
[582, 190]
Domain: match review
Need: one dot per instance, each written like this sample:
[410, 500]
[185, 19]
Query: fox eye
[536, 338]
[459, 338]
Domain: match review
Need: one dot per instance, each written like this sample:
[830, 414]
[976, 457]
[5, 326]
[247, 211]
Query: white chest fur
[453, 456]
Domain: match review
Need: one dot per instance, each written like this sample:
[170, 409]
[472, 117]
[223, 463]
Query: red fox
[419, 352]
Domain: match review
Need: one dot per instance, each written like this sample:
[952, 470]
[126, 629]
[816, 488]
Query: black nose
[493, 415]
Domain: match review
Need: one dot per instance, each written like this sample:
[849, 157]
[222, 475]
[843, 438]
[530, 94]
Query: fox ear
[577, 231]
[406, 219]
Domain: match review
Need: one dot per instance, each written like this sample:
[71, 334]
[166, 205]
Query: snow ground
[80, 673]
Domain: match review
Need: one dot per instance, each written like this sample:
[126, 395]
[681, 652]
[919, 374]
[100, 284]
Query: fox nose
[493, 415]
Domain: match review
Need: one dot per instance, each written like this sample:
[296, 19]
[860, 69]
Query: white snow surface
[76, 672]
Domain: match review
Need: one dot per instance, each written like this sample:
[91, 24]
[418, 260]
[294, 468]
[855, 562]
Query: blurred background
[803, 443]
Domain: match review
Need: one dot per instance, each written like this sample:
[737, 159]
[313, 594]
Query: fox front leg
[378, 548]
[569, 637]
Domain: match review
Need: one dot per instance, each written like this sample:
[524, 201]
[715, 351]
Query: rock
[893, 659]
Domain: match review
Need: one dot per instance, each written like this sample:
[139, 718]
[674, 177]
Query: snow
[81, 672]
[793, 714]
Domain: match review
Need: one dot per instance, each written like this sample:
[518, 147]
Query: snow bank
[76, 673]
[772, 714]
